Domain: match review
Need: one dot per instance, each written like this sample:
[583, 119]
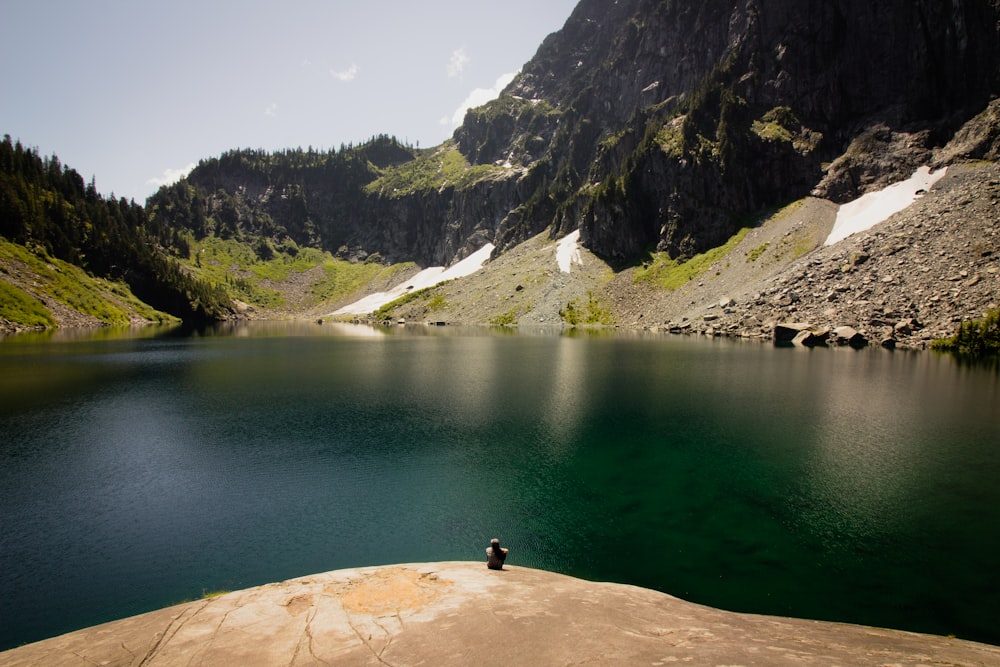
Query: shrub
[976, 338]
[506, 319]
[755, 254]
[570, 314]
[437, 303]
[593, 313]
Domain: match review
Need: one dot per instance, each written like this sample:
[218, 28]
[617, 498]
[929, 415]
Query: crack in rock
[169, 633]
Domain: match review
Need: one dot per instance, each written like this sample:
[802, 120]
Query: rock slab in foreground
[463, 614]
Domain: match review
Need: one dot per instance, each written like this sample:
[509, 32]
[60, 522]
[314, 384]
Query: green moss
[433, 300]
[786, 211]
[670, 137]
[801, 246]
[771, 132]
[783, 116]
[612, 139]
[387, 311]
[779, 124]
[208, 595]
[670, 274]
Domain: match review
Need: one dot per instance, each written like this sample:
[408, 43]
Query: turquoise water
[847, 485]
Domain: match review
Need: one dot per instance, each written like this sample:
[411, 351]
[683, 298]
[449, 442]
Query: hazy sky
[133, 92]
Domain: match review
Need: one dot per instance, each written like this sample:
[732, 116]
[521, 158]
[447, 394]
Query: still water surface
[859, 486]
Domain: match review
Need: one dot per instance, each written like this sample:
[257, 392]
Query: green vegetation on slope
[505, 319]
[755, 254]
[47, 206]
[54, 281]
[593, 312]
[26, 310]
[670, 274]
[435, 301]
[975, 339]
[263, 283]
[431, 170]
[343, 278]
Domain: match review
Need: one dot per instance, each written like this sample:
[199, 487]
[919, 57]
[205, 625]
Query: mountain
[663, 123]
[658, 129]
[649, 125]
[69, 256]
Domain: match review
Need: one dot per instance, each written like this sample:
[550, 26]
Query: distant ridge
[648, 125]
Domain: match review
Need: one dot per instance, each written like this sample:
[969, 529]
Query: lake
[142, 470]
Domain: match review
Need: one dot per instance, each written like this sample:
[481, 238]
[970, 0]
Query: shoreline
[784, 334]
[903, 282]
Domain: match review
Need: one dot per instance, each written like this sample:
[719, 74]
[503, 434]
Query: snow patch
[568, 251]
[867, 211]
[426, 278]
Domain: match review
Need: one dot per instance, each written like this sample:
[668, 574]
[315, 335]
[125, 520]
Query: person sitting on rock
[495, 555]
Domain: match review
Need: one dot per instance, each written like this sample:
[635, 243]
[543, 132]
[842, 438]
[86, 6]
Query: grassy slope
[39, 291]
[670, 274]
[433, 169]
[309, 280]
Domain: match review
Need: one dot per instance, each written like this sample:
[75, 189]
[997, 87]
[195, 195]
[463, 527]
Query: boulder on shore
[786, 332]
[849, 336]
[811, 337]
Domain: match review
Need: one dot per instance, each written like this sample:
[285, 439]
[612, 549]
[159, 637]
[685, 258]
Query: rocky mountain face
[903, 283]
[663, 123]
[647, 124]
[339, 201]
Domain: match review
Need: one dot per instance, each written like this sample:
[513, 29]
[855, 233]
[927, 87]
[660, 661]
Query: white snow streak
[568, 251]
[869, 210]
[426, 278]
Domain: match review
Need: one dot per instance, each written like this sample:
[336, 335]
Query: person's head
[495, 544]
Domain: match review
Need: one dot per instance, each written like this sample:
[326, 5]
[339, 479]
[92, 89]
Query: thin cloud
[456, 66]
[272, 110]
[171, 176]
[478, 97]
[346, 75]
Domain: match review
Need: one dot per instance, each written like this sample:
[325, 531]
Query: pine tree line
[302, 196]
[48, 207]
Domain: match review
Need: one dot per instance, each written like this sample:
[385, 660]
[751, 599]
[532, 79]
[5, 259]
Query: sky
[135, 92]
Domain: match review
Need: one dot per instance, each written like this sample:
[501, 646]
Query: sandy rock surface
[456, 613]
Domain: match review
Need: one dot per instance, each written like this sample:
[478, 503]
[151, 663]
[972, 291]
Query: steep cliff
[380, 201]
[666, 122]
[647, 124]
